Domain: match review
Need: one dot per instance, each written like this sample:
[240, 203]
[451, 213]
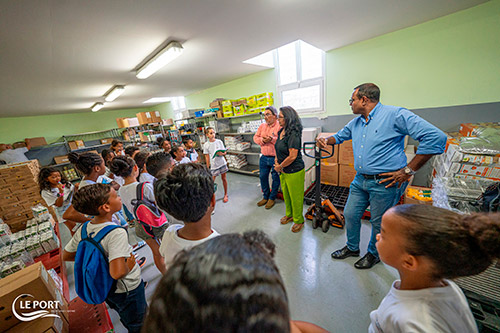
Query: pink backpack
[146, 211]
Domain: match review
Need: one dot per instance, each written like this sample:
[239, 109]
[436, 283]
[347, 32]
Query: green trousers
[292, 185]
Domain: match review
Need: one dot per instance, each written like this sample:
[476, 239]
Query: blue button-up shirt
[378, 143]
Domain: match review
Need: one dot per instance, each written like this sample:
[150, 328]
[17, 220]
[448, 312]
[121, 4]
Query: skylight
[264, 60]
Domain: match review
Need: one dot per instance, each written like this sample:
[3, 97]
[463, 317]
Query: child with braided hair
[429, 246]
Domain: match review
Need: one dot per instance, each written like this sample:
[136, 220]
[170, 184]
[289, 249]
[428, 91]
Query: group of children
[230, 282]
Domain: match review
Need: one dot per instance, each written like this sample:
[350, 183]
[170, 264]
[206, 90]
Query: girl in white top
[214, 151]
[429, 246]
[188, 194]
[140, 159]
[126, 167]
[57, 192]
[179, 155]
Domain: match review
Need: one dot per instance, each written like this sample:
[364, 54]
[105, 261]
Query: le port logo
[31, 309]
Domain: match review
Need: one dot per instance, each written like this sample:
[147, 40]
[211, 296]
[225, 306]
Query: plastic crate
[337, 194]
[486, 312]
[84, 317]
[51, 260]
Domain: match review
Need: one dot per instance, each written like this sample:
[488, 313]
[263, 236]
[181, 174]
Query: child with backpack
[139, 200]
[105, 268]
[186, 193]
[429, 246]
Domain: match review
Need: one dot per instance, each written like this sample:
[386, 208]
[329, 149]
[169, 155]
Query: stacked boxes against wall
[19, 191]
[469, 165]
[338, 169]
[236, 161]
[18, 249]
[246, 105]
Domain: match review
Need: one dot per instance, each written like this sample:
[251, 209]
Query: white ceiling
[61, 56]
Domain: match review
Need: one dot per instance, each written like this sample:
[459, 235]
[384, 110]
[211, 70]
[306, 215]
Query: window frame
[302, 83]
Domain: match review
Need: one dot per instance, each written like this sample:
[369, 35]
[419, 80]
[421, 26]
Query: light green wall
[264, 81]
[453, 60]
[52, 127]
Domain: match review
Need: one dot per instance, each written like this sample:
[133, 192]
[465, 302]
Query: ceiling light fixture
[158, 100]
[114, 93]
[166, 55]
[97, 106]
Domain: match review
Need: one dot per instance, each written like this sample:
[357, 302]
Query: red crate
[51, 260]
[84, 317]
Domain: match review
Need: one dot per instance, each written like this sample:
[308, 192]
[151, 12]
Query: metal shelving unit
[253, 153]
[249, 169]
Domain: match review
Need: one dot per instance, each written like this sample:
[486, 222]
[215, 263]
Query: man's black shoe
[344, 253]
[368, 261]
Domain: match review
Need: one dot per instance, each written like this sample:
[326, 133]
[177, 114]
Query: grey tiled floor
[329, 293]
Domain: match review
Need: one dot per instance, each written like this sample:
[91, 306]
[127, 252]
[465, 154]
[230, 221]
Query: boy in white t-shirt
[186, 193]
[128, 299]
[214, 151]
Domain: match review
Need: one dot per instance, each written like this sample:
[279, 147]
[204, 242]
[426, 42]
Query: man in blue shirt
[380, 161]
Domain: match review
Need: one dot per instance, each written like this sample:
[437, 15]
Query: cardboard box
[490, 171]
[149, 117]
[418, 195]
[106, 141]
[61, 159]
[32, 280]
[346, 174]
[45, 325]
[19, 144]
[329, 173]
[467, 129]
[77, 144]
[346, 155]
[35, 142]
[335, 157]
[145, 136]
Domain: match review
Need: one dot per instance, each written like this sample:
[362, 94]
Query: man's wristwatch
[407, 170]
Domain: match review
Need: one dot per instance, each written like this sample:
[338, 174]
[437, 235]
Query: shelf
[242, 116]
[90, 147]
[60, 164]
[235, 133]
[251, 151]
[208, 115]
[249, 169]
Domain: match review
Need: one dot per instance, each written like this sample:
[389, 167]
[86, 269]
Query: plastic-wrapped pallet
[458, 194]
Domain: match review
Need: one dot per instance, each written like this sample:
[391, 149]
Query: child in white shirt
[128, 299]
[214, 152]
[186, 193]
[179, 155]
[57, 192]
[429, 246]
[126, 167]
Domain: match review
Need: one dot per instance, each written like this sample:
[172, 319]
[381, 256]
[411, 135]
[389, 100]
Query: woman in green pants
[290, 166]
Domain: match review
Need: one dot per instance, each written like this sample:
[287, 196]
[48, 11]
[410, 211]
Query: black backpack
[489, 201]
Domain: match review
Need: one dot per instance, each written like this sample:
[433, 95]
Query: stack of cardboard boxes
[339, 169]
[29, 290]
[19, 191]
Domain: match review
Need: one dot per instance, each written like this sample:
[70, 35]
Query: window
[300, 76]
[179, 105]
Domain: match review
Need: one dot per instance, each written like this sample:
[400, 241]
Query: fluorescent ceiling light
[166, 55]
[158, 100]
[114, 93]
[97, 106]
[264, 60]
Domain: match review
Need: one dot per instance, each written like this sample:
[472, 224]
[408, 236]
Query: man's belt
[375, 177]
